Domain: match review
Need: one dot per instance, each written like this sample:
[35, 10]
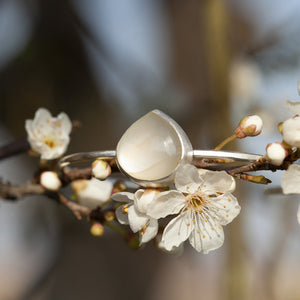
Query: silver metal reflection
[152, 149]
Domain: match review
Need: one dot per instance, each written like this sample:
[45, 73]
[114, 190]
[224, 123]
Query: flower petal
[50, 153]
[143, 198]
[177, 231]
[291, 131]
[136, 220]
[123, 197]
[222, 209]
[150, 232]
[217, 181]
[121, 217]
[40, 117]
[206, 236]
[290, 181]
[95, 193]
[166, 203]
[65, 123]
[293, 107]
[187, 179]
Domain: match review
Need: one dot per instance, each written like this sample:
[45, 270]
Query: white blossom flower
[276, 153]
[133, 212]
[92, 193]
[47, 135]
[204, 204]
[50, 181]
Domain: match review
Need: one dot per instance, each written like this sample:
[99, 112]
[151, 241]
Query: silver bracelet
[153, 148]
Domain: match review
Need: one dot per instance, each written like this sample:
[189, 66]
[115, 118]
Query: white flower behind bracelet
[47, 135]
[134, 212]
[204, 202]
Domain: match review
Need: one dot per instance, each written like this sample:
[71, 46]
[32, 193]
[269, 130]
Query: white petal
[298, 214]
[95, 193]
[65, 122]
[121, 217]
[123, 197]
[51, 153]
[29, 128]
[136, 220]
[290, 181]
[140, 201]
[206, 236]
[150, 232]
[293, 107]
[177, 231]
[40, 117]
[144, 198]
[222, 209]
[175, 250]
[166, 203]
[291, 131]
[187, 179]
[217, 181]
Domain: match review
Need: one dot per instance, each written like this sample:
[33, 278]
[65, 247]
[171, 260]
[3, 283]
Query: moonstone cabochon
[152, 148]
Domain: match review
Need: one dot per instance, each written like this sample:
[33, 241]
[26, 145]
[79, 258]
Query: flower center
[50, 143]
[197, 201]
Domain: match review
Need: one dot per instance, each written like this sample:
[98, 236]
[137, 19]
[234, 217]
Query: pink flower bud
[249, 126]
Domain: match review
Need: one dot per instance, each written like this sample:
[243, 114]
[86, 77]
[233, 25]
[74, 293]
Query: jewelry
[153, 148]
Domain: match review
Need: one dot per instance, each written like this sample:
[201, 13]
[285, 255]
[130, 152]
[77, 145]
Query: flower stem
[226, 141]
[116, 228]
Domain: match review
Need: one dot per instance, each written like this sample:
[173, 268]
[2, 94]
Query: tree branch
[12, 192]
[78, 210]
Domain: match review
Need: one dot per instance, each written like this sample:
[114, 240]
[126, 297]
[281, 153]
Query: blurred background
[206, 63]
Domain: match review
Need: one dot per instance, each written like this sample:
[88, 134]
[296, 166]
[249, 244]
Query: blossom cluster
[194, 206]
[200, 205]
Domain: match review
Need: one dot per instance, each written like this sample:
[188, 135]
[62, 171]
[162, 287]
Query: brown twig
[233, 170]
[76, 173]
[14, 148]
[12, 192]
[78, 210]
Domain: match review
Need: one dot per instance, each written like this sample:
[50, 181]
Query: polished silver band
[225, 156]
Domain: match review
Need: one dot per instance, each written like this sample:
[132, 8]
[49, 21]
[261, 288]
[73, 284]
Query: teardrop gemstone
[152, 147]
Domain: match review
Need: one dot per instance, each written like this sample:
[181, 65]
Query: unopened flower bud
[109, 216]
[249, 126]
[50, 181]
[101, 169]
[132, 240]
[276, 153]
[119, 186]
[280, 127]
[291, 132]
[97, 229]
